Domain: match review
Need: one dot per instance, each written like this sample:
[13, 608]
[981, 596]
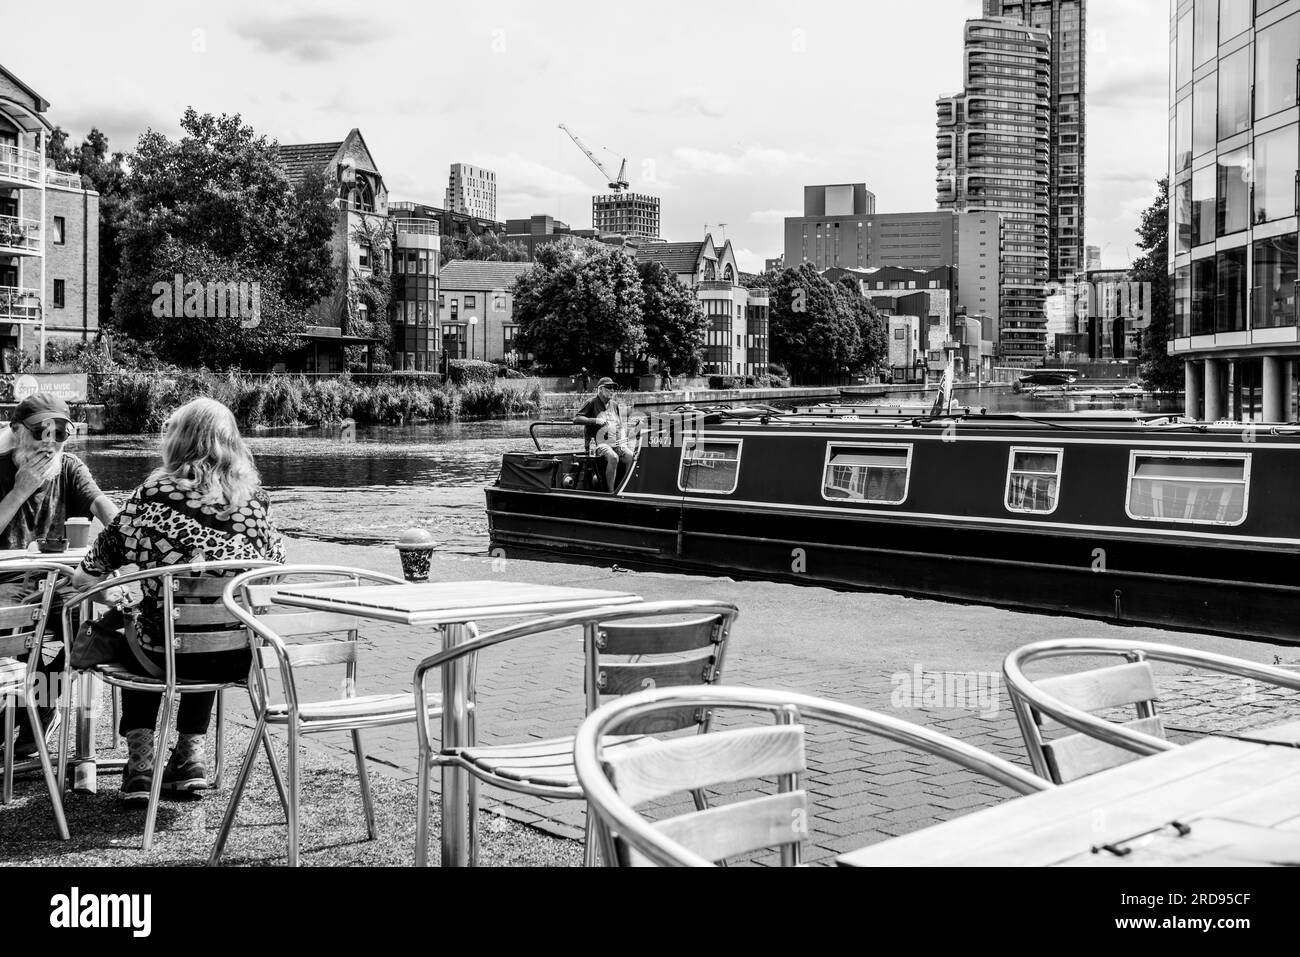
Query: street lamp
[473, 321]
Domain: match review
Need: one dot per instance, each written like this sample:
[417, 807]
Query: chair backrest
[23, 623]
[619, 779]
[276, 629]
[659, 769]
[1072, 700]
[632, 655]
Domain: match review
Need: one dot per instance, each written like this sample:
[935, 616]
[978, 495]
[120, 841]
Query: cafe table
[450, 608]
[70, 556]
[1220, 801]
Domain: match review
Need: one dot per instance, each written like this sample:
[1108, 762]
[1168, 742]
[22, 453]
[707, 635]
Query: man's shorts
[620, 448]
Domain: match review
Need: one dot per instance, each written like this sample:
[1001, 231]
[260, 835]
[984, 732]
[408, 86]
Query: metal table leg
[89, 688]
[455, 733]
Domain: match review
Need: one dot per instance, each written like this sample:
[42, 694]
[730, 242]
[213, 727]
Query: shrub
[722, 382]
[463, 372]
[778, 370]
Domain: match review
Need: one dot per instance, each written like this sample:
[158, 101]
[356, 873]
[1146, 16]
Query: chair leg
[422, 811]
[155, 786]
[7, 789]
[293, 795]
[472, 793]
[65, 733]
[359, 752]
[115, 702]
[589, 857]
[275, 768]
[55, 788]
[232, 806]
[215, 780]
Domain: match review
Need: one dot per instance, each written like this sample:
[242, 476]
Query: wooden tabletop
[1230, 793]
[443, 603]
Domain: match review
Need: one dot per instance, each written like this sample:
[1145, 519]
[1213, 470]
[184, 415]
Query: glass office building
[1234, 173]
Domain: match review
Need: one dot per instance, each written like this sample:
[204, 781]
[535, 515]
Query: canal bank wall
[567, 403]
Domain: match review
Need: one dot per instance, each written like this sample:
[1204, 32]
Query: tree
[220, 202]
[579, 306]
[676, 327]
[485, 247]
[872, 328]
[815, 329]
[1159, 370]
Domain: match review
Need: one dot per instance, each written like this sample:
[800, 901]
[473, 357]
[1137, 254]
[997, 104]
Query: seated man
[41, 487]
[605, 426]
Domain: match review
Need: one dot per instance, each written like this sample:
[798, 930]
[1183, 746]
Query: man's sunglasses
[61, 432]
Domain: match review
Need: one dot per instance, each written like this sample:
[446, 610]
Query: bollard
[415, 548]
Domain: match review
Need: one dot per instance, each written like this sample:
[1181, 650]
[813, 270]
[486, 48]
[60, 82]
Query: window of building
[1033, 480]
[860, 473]
[363, 256]
[1183, 135]
[1204, 184]
[1277, 159]
[455, 307]
[1234, 17]
[1183, 217]
[1192, 489]
[1205, 30]
[58, 294]
[1230, 291]
[1233, 213]
[1234, 93]
[1203, 296]
[1263, 6]
[1182, 302]
[709, 465]
[1205, 106]
[60, 230]
[1275, 67]
[408, 311]
[1275, 282]
[1185, 48]
[471, 302]
[399, 266]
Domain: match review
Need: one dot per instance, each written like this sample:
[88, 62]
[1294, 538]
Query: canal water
[327, 486]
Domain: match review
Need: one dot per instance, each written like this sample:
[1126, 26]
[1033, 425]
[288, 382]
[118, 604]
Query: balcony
[417, 227]
[714, 285]
[56, 177]
[19, 305]
[19, 237]
[19, 168]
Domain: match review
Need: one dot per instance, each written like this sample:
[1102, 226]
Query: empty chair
[618, 781]
[287, 642]
[625, 649]
[22, 633]
[1070, 700]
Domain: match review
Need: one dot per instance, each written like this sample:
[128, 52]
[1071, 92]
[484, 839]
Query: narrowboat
[1136, 518]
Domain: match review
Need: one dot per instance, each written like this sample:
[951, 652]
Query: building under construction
[635, 215]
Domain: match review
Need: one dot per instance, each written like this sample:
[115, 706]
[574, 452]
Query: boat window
[861, 473]
[1175, 488]
[1034, 480]
[709, 465]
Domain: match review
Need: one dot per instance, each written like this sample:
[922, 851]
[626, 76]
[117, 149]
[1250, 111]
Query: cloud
[748, 260]
[1117, 83]
[524, 184]
[767, 217]
[747, 161]
[312, 38]
[692, 101]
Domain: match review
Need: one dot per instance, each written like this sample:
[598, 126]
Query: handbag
[109, 639]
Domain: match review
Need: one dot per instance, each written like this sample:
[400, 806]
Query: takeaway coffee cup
[416, 550]
[77, 531]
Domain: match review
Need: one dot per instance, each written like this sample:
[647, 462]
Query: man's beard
[24, 455]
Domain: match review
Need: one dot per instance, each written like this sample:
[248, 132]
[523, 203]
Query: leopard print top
[165, 523]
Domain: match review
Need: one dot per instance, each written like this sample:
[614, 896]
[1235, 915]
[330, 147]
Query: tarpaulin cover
[533, 474]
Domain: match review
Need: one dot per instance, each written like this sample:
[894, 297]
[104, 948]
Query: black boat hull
[1125, 579]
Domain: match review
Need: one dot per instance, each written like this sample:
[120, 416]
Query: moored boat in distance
[1133, 517]
[1049, 377]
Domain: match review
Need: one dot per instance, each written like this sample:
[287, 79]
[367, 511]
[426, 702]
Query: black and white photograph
[516, 435]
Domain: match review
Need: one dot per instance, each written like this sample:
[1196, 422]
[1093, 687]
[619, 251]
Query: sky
[725, 110]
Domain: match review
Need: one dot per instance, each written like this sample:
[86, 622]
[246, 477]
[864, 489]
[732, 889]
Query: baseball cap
[35, 409]
[606, 381]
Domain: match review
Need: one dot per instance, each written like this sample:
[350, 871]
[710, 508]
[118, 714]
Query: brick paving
[854, 647]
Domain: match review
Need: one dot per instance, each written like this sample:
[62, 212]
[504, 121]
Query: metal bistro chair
[618, 780]
[22, 632]
[624, 650]
[277, 686]
[194, 621]
[1048, 703]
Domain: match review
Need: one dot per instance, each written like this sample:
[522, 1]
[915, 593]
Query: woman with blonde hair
[205, 503]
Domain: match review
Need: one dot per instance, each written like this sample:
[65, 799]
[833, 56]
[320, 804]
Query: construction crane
[617, 184]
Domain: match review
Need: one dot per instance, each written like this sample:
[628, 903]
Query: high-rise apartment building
[1066, 21]
[994, 156]
[472, 190]
[1234, 136]
[626, 214]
